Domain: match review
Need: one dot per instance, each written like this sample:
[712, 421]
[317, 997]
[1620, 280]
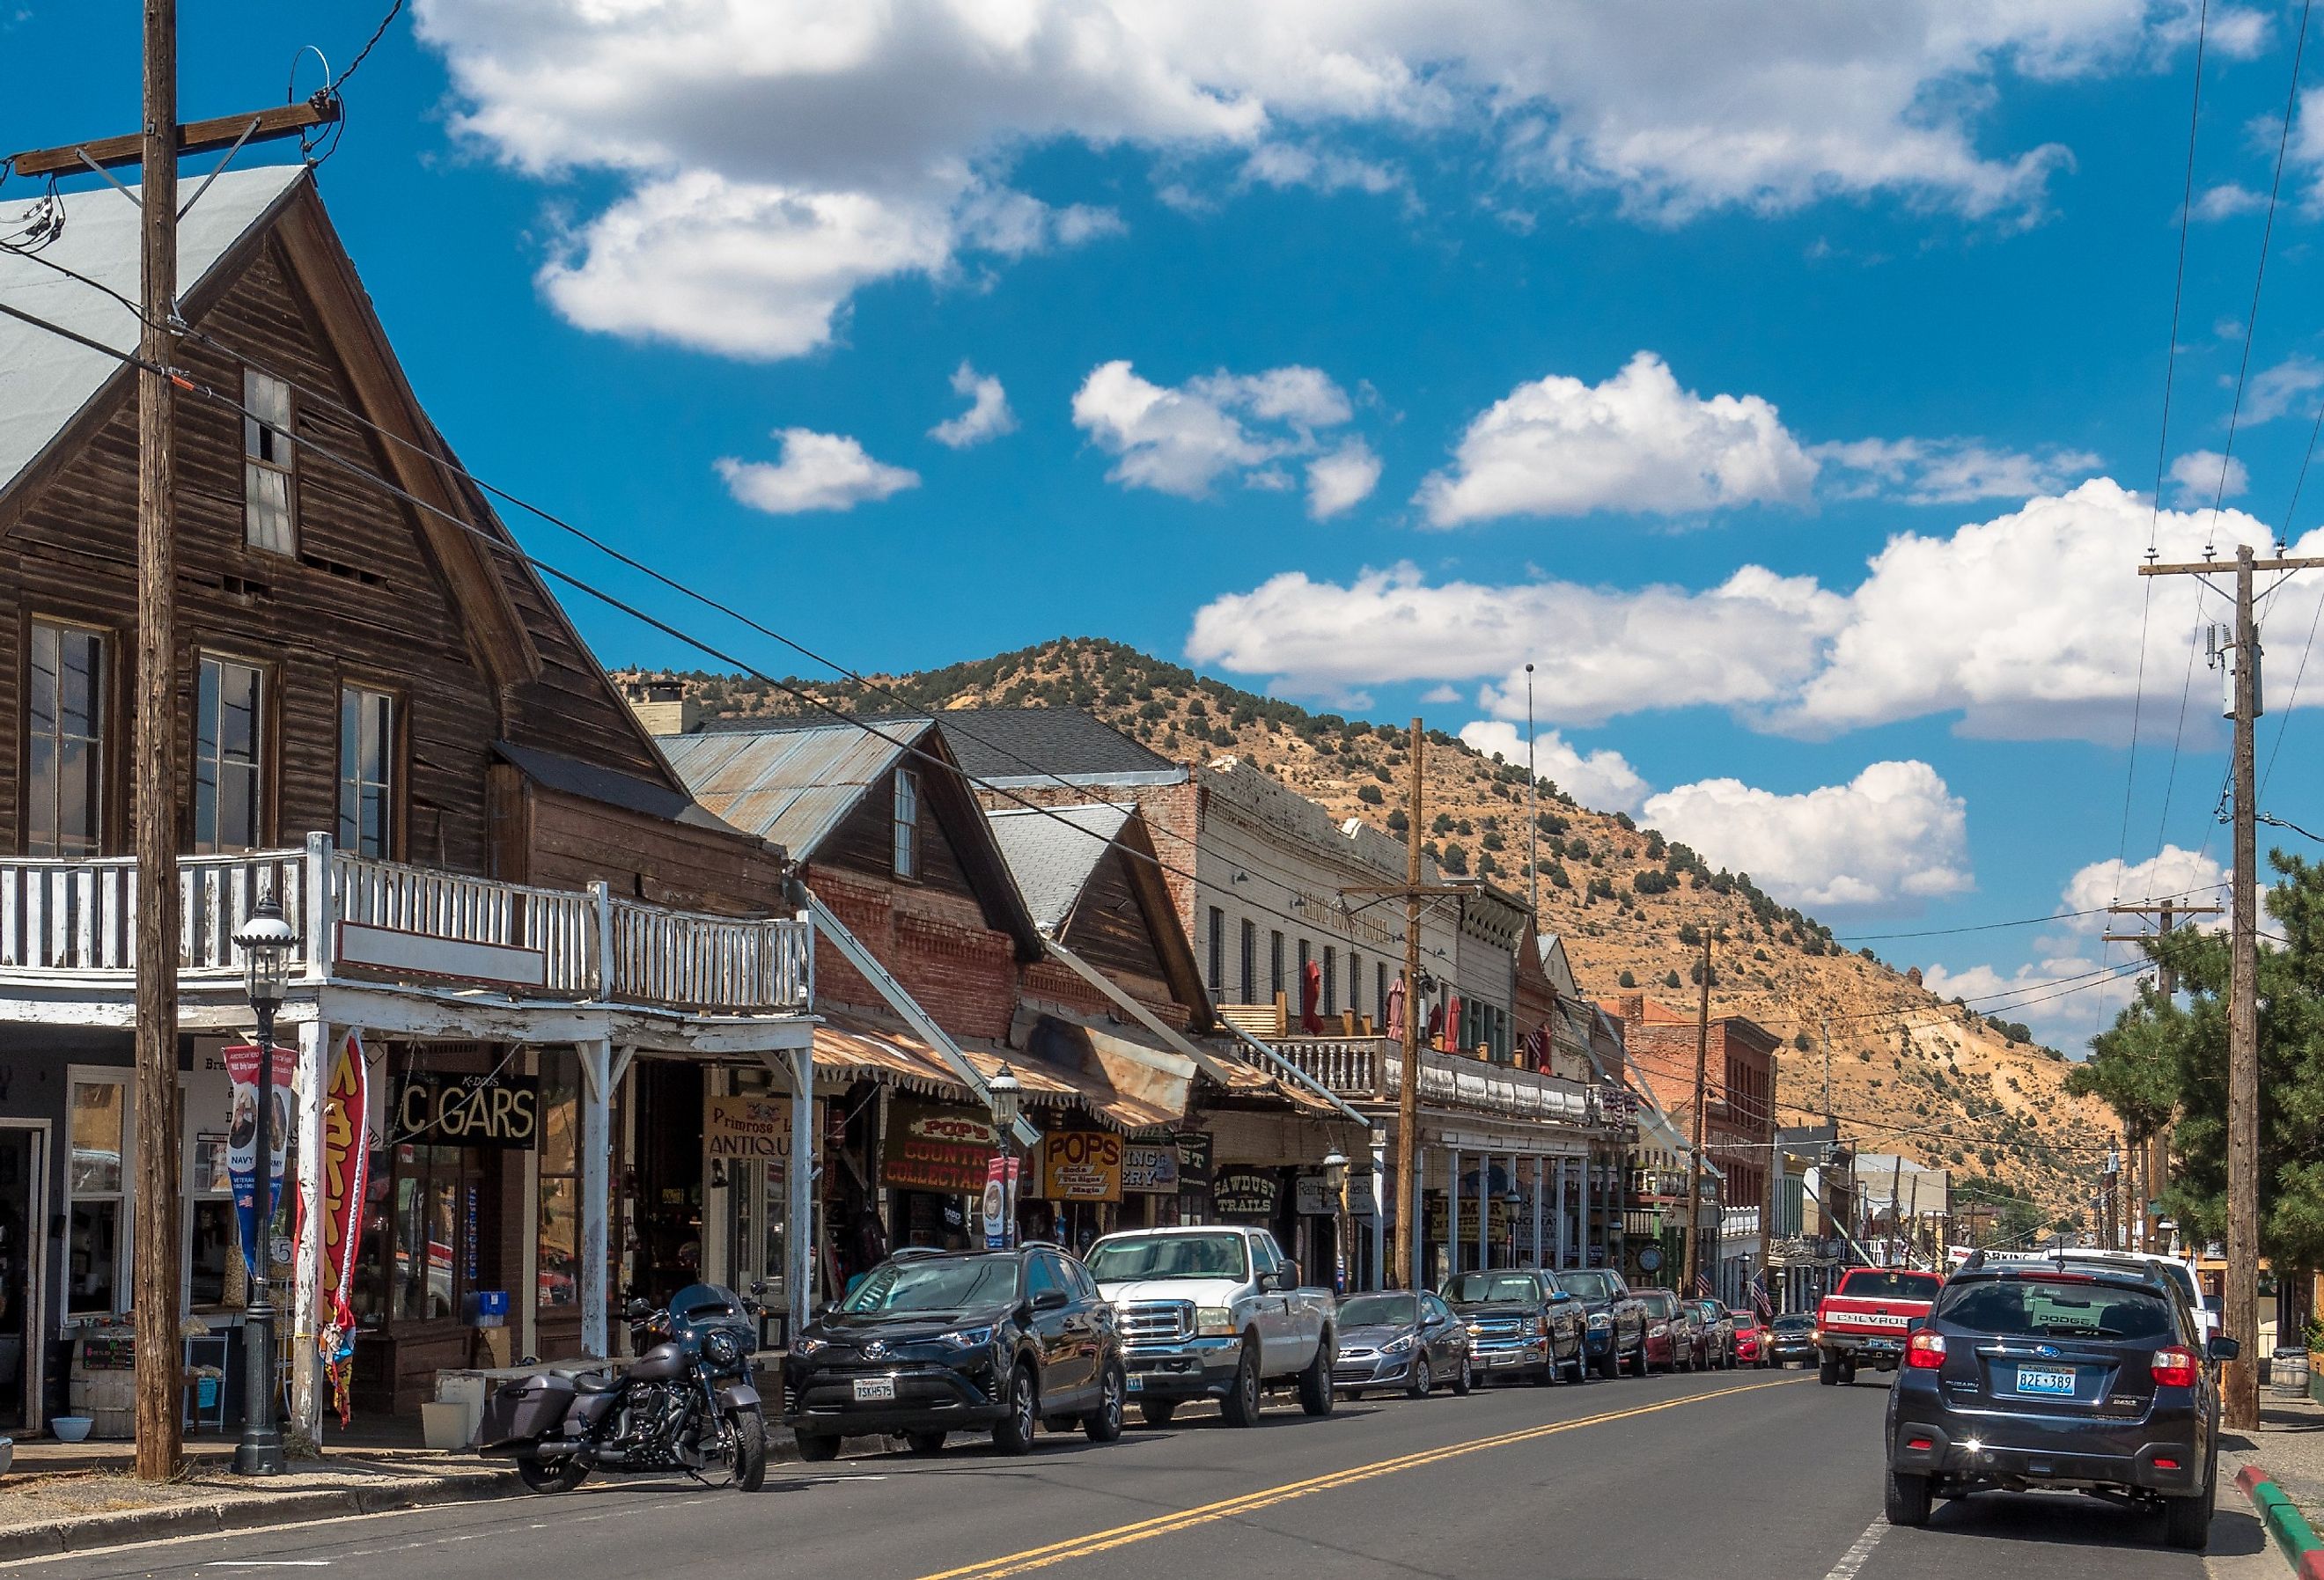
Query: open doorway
[23, 1209]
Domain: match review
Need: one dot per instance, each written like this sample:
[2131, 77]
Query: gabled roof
[45, 379]
[1053, 852]
[792, 784]
[1040, 745]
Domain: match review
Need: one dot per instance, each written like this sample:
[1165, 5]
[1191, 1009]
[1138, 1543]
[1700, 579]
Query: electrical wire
[1987, 927]
[377, 33]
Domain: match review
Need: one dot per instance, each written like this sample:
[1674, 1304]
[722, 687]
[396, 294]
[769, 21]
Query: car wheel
[1104, 1424]
[2186, 1522]
[1013, 1433]
[1424, 1379]
[818, 1447]
[1847, 1373]
[1579, 1372]
[1156, 1412]
[1907, 1501]
[1463, 1380]
[1609, 1365]
[925, 1444]
[1316, 1396]
[1827, 1372]
[1240, 1406]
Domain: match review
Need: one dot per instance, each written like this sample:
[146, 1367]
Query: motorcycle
[685, 1404]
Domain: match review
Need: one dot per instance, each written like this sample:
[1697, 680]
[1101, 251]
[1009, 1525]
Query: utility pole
[1702, 1080]
[1825, 1023]
[1533, 817]
[1412, 891]
[155, 148]
[2155, 1153]
[1767, 1196]
[2240, 1385]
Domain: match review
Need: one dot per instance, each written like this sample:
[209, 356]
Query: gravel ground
[2289, 1446]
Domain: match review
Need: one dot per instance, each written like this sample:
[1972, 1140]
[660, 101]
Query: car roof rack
[916, 1252]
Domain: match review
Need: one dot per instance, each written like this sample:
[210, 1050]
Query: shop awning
[856, 1048]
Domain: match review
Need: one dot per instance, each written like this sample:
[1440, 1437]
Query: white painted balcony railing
[360, 919]
[1372, 1067]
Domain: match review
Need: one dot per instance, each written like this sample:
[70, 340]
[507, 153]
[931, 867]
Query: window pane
[560, 1270]
[267, 517]
[215, 1232]
[228, 715]
[96, 1135]
[560, 1112]
[40, 797]
[366, 733]
[94, 1253]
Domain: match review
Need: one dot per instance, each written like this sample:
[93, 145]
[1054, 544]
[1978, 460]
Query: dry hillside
[1908, 1072]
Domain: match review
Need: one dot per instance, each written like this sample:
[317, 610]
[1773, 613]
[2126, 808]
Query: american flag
[1759, 1301]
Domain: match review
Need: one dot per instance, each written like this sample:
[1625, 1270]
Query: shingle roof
[791, 785]
[1052, 852]
[46, 379]
[1003, 746]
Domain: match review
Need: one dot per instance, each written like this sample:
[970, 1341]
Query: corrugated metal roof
[1052, 852]
[792, 786]
[45, 379]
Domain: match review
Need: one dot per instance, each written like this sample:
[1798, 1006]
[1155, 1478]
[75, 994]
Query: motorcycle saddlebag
[520, 1412]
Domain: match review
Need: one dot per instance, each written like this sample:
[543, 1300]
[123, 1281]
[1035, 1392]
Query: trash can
[2288, 1373]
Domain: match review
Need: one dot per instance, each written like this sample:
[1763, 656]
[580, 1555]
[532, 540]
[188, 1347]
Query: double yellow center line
[1121, 1536]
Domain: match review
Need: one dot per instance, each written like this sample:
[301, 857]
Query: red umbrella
[1436, 1024]
[1395, 1010]
[1453, 1025]
[1311, 999]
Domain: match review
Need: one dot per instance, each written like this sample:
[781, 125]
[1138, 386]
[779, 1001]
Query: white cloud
[772, 156]
[1602, 778]
[2190, 877]
[988, 415]
[2276, 389]
[2024, 625]
[2226, 201]
[818, 471]
[1949, 471]
[1341, 479]
[1441, 694]
[1182, 440]
[2200, 476]
[1895, 832]
[1638, 442]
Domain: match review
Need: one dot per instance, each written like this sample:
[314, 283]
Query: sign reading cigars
[928, 1147]
[1081, 1165]
[442, 1109]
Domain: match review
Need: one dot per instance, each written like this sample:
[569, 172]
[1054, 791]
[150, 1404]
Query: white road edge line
[1854, 1557]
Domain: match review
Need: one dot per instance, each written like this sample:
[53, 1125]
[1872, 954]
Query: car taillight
[2175, 1368]
[1925, 1351]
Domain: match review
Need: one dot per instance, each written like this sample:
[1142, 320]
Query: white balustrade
[1373, 1067]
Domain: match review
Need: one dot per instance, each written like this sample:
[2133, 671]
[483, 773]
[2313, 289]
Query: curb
[2285, 1523]
[108, 1530]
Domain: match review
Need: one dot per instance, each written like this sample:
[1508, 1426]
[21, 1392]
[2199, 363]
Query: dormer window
[907, 824]
[268, 520]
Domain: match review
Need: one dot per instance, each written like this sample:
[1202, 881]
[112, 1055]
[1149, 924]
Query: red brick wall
[936, 945]
[1052, 983]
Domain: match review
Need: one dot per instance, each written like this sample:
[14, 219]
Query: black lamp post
[1007, 1094]
[265, 941]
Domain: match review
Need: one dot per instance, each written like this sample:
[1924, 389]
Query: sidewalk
[2289, 1446]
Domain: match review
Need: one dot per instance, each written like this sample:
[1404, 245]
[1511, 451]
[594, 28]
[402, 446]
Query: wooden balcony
[1370, 1069]
[67, 924]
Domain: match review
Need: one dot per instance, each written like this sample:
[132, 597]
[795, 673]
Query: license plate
[2055, 1384]
[1500, 1360]
[874, 1389]
[1137, 1383]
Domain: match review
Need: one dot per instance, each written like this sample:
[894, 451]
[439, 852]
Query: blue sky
[1364, 354]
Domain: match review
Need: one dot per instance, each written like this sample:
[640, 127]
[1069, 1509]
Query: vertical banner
[999, 1211]
[242, 1142]
[346, 1157]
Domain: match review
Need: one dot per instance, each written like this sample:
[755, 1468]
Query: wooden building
[386, 721]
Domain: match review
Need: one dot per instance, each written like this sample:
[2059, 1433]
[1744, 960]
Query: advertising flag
[242, 1142]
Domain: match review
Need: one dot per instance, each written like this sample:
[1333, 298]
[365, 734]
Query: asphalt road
[1734, 1475]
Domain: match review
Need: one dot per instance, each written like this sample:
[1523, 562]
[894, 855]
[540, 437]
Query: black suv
[2038, 1374]
[932, 1343]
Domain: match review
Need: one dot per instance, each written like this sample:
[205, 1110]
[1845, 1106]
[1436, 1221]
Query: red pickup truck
[1863, 1322]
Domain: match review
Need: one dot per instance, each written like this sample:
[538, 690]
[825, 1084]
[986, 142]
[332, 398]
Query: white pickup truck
[1214, 1311]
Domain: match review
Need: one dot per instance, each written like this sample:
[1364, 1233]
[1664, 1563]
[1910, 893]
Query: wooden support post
[596, 1186]
[306, 1313]
[799, 1230]
[1694, 1177]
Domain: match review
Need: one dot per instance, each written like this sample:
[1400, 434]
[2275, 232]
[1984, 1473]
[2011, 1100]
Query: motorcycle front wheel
[552, 1476]
[749, 1431]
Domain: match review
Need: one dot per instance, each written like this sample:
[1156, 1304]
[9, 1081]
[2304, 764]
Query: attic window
[907, 824]
[268, 520]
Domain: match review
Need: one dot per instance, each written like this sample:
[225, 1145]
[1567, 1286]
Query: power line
[1987, 927]
[381, 31]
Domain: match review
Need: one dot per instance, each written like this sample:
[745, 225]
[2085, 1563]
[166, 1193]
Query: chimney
[664, 707]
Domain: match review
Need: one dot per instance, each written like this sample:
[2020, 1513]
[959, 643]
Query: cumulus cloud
[1635, 443]
[1602, 778]
[988, 415]
[2024, 625]
[1341, 479]
[2187, 876]
[1946, 471]
[1183, 440]
[770, 157]
[2200, 476]
[2226, 201]
[1893, 833]
[2277, 390]
[817, 471]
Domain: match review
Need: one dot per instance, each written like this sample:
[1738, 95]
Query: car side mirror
[1287, 1277]
[1050, 1300]
[1559, 1297]
[2222, 1348]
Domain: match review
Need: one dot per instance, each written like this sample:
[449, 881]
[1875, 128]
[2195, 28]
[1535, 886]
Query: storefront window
[557, 1233]
[95, 1179]
[210, 1247]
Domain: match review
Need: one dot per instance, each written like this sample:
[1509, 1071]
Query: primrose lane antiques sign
[440, 1109]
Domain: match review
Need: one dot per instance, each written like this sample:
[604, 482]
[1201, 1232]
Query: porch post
[1452, 1211]
[800, 1226]
[1381, 1204]
[596, 1150]
[306, 1316]
[1535, 1182]
[1588, 1167]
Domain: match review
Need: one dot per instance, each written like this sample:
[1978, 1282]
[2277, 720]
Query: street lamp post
[1007, 1095]
[265, 941]
[1335, 1183]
